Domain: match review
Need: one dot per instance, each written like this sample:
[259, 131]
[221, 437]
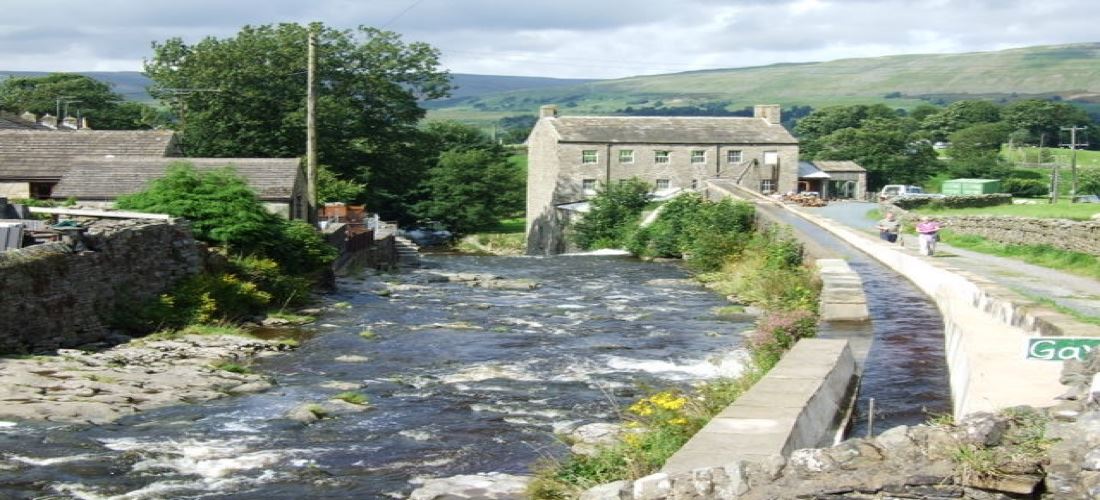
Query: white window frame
[590, 157]
[626, 156]
[666, 182]
[588, 186]
[767, 186]
[698, 156]
[734, 153]
[662, 156]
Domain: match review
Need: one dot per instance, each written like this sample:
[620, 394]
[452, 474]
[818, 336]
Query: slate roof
[98, 178]
[807, 170]
[12, 122]
[669, 130]
[839, 166]
[47, 154]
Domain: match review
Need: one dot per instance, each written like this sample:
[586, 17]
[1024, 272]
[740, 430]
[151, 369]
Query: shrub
[708, 232]
[613, 212]
[284, 289]
[964, 201]
[1026, 188]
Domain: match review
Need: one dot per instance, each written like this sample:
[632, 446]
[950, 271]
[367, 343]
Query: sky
[555, 38]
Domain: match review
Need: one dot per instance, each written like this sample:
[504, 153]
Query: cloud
[567, 38]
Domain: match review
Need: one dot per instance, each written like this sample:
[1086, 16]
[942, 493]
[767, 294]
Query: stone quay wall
[55, 296]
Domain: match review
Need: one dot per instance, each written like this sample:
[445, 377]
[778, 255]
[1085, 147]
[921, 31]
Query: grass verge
[507, 238]
[1041, 209]
[1078, 263]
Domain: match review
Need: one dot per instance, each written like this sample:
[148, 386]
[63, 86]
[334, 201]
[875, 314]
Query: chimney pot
[548, 111]
[84, 123]
[69, 122]
[769, 112]
[48, 120]
[28, 116]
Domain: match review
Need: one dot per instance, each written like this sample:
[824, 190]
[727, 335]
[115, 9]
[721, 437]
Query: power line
[399, 14]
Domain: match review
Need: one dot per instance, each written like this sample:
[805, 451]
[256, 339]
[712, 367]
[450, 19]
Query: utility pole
[1073, 160]
[311, 130]
[1053, 173]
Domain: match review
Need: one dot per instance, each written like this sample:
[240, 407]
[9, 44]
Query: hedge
[964, 201]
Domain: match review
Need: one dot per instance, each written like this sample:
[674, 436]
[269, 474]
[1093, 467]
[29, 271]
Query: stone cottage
[569, 157]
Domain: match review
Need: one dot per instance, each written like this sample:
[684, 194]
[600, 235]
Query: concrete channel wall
[800, 403]
[986, 329]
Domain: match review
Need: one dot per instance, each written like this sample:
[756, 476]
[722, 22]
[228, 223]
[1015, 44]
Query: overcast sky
[556, 38]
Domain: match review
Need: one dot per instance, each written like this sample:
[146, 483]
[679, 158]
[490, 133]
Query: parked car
[1086, 198]
[428, 233]
[892, 190]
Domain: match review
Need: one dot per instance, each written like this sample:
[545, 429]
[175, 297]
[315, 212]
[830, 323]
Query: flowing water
[460, 379]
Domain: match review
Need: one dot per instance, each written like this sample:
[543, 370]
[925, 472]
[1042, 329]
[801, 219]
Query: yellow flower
[678, 421]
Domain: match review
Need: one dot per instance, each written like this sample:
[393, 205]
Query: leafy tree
[1043, 120]
[922, 111]
[831, 119]
[370, 87]
[888, 154]
[469, 189]
[612, 213]
[959, 115]
[331, 188]
[103, 108]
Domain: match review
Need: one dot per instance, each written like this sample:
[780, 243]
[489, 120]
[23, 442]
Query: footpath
[1073, 292]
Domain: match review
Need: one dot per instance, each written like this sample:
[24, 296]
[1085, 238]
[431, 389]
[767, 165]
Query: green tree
[1043, 120]
[371, 83]
[975, 151]
[91, 98]
[957, 116]
[889, 154]
[331, 188]
[612, 213]
[469, 189]
[1088, 181]
[831, 119]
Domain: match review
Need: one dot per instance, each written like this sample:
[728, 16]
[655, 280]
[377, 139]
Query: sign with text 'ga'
[1061, 348]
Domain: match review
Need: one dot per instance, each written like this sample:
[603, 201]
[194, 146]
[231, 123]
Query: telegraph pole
[1073, 160]
[311, 130]
[177, 93]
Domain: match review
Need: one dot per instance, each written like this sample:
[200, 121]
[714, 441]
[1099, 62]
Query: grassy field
[1085, 158]
[1070, 71]
[1063, 210]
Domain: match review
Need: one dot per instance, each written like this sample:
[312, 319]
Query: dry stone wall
[1076, 236]
[55, 296]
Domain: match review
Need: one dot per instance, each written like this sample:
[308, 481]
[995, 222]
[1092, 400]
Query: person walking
[928, 233]
[888, 228]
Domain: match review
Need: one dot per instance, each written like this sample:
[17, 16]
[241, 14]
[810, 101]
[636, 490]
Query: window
[694, 184]
[626, 156]
[660, 156]
[589, 186]
[767, 186]
[662, 184]
[698, 156]
[589, 156]
[733, 156]
[771, 157]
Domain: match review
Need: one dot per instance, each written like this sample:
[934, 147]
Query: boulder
[587, 438]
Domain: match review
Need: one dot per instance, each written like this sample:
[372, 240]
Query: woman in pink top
[927, 231]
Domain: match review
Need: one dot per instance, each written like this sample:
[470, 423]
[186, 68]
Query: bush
[1026, 188]
[708, 232]
[612, 216]
[201, 299]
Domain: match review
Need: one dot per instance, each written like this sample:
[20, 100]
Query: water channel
[461, 380]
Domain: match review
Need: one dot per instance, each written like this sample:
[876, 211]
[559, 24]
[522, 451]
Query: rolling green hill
[1070, 72]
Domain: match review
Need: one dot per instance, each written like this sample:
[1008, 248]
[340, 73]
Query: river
[460, 380]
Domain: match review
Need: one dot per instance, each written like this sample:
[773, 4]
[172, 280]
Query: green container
[971, 186]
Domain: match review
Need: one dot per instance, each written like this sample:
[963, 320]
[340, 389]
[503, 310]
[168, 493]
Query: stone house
[96, 166]
[569, 157]
[279, 182]
[833, 179]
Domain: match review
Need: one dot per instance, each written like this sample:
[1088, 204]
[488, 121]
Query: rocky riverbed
[99, 387]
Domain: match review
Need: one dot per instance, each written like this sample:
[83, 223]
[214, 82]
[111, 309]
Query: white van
[892, 190]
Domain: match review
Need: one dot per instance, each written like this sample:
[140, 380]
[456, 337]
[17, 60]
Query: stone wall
[1075, 236]
[54, 296]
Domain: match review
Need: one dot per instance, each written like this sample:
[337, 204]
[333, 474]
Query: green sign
[1060, 348]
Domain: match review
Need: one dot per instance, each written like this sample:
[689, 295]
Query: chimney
[548, 111]
[69, 122]
[48, 120]
[30, 117]
[769, 112]
[84, 123]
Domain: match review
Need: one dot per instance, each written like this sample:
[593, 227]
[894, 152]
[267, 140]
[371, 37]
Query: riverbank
[76, 386]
